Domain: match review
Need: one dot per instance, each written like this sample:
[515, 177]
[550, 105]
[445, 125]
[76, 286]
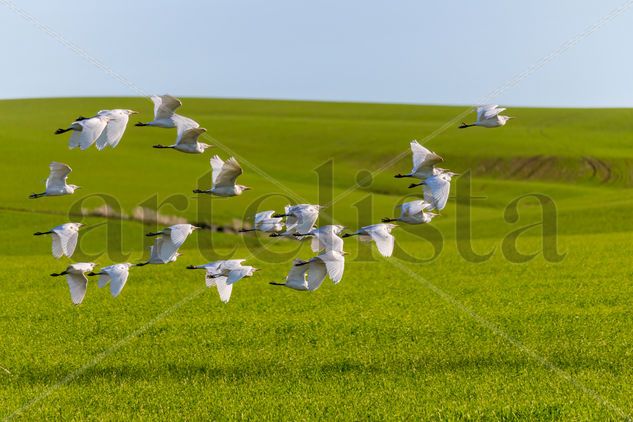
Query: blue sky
[450, 52]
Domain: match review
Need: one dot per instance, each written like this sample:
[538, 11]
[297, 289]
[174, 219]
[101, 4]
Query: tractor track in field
[553, 168]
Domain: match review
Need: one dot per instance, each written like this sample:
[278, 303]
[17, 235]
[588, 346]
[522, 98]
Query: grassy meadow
[433, 333]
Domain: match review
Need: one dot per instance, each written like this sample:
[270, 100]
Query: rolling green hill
[439, 331]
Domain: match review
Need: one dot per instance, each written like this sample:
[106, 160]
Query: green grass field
[403, 338]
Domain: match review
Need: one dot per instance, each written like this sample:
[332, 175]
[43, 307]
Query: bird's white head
[431, 215]
[241, 188]
[338, 228]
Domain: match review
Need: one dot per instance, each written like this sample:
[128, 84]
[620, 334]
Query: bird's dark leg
[200, 191]
[412, 185]
[300, 264]
[41, 233]
[141, 124]
[60, 131]
[161, 146]
[464, 125]
[193, 267]
[279, 215]
[59, 274]
[272, 283]
[349, 234]
[388, 220]
[36, 195]
[141, 264]
[246, 230]
[400, 176]
[80, 118]
[154, 234]
[92, 273]
[274, 235]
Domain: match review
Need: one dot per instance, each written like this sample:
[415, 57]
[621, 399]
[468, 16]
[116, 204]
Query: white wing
[423, 158]
[316, 274]
[226, 174]
[58, 248]
[163, 249]
[296, 277]
[237, 274]
[178, 234]
[384, 240]
[167, 249]
[164, 106]
[104, 279]
[114, 129]
[119, 275]
[291, 220]
[264, 215]
[488, 111]
[306, 217]
[329, 241]
[335, 270]
[214, 270]
[230, 264]
[183, 124]
[413, 208]
[190, 136]
[436, 191]
[58, 174]
[91, 129]
[335, 265]
[70, 243]
[224, 289]
[78, 284]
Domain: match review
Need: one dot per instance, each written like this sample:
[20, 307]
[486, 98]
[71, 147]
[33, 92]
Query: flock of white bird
[107, 127]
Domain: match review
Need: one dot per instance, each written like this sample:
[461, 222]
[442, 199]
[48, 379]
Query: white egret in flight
[188, 142]
[116, 275]
[414, 212]
[176, 234]
[330, 263]
[64, 238]
[115, 128]
[488, 116]
[265, 222]
[300, 219]
[297, 278]
[325, 238]
[165, 115]
[223, 274]
[380, 234]
[424, 162]
[85, 131]
[437, 189]
[163, 251]
[223, 177]
[56, 182]
[77, 280]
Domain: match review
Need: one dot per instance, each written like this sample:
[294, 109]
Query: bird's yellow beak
[134, 112]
